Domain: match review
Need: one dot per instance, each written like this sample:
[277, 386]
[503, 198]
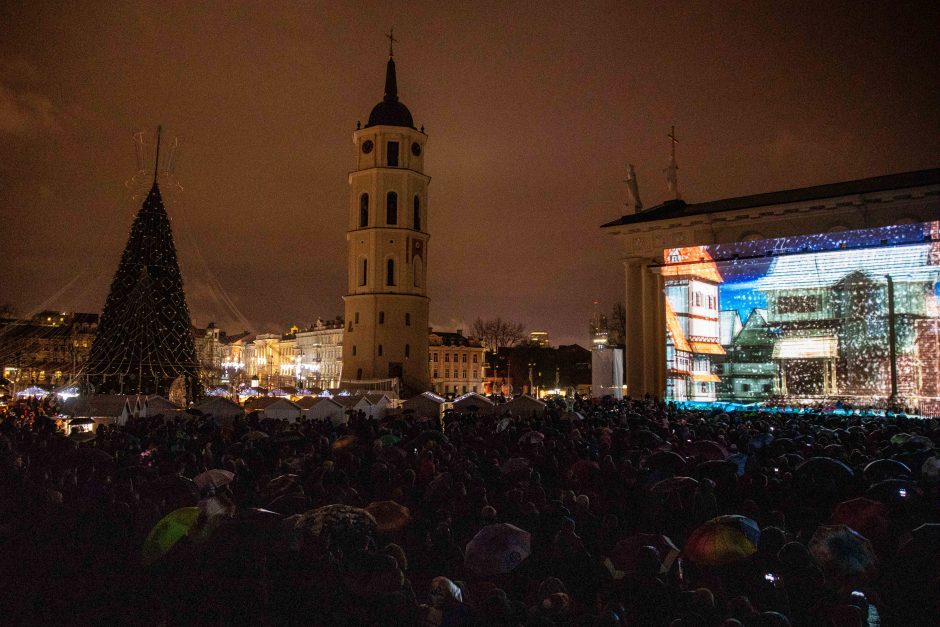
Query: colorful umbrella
[723, 540]
[868, 517]
[389, 515]
[390, 439]
[215, 478]
[344, 442]
[166, 533]
[624, 555]
[340, 523]
[843, 552]
[497, 549]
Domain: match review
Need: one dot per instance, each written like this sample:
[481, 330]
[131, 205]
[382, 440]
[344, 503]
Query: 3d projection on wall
[849, 316]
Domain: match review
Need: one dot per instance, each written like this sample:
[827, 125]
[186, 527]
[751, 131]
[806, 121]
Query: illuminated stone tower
[386, 301]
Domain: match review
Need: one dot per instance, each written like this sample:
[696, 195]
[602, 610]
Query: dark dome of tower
[390, 112]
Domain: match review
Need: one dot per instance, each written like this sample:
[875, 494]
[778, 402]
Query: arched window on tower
[418, 271]
[417, 214]
[363, 272]
[391, 208]
[380, 350]
[407, 351]
[390, 272]
[363, 210]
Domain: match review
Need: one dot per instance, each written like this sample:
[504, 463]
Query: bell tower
[386, 303]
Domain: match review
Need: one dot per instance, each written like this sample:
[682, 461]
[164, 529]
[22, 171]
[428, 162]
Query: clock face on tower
[367, 146]
[416, 149]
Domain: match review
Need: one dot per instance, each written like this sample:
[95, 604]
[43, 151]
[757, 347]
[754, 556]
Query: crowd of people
[610, 513]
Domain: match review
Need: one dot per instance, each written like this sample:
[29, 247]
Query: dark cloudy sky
[533, 111]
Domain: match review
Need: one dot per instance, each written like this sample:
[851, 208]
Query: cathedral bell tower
[386, 301]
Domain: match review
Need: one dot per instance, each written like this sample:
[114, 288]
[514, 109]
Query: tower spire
[672, 170]
[390, 35]
[391, 81]
[156, 161]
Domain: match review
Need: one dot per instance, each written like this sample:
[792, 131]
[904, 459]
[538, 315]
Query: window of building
[456, 358]
[356, 317]
[447, 357]
[364, 210]
[380, 350]
[363, 272]
[703, 387]
[407, 319]
[474, 389]
[391, 208]
[381, 317]
[418, 271]
[391, 154]
[359, 373]
[464, 358]
[447, 373]
[435, 358]
[350, 325]
[464, 376]
[390, 272]
[745, 387]
[435, 374]
[698, 299]
[475, 357]
[407, 350]
[417, 213]
[766, 388]
[354, 350]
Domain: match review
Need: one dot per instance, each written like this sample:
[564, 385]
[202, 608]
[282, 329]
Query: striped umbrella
[723, 540]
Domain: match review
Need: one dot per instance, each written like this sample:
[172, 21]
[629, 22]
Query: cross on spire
[672, 170]
[391, 41]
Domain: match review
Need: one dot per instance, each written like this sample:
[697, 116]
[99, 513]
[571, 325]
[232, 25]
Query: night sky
[533, 111]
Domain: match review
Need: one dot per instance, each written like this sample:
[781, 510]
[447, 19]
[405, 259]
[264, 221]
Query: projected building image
[841, 316]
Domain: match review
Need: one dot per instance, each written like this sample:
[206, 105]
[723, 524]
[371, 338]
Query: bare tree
[498, 333]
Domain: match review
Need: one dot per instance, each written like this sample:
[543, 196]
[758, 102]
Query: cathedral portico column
[633, 333]
[654, 331]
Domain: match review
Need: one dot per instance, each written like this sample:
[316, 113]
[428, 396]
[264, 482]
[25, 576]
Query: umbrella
[215, 478]
[503, 424]
[900, 439]
[176, 490]
[428, 436]
[515, 465]
[83, 436]
[645, 438]
[666, 462]
[723, 540]
[253, 436]
[843, 552]
[894, 491]
[674, 484]
[283, 484]
[624, 555]
[740, 463]
[497, 549]
[723, 473]
[823, 471]
[166, 533]
[868, 517]
[707, 450]
[584, 469]
[289, 504]
[531, 437]
[931, 469]
[87, 455]
[390, 439]
[881, 469]
[344, 442]
[389, 515]
[345, 524]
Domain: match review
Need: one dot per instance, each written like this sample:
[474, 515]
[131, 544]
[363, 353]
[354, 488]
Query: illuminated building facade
[47, 349]
[823, 293]
[386, 303]
[456, 363]
[320, 352]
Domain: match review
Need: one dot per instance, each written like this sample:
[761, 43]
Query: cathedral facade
[386, 303]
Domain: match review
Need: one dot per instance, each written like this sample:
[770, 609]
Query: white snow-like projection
[852, 316]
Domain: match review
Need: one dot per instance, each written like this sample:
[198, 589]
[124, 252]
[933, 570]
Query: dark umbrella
[666, 462]
[624, 556]
[723, 473]
[823, 472]
[675, 484]
[882, 469]
[289, 504]
[868, 517]
[706, 450]
[895, 491]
